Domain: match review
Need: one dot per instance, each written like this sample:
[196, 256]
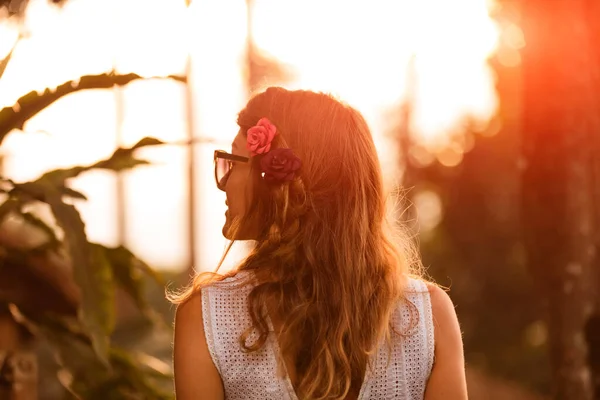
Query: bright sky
[358, 50]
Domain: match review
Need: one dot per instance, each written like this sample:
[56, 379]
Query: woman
[324, 307]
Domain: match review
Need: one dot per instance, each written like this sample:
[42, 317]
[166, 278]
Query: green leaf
[33, 102]
[4, 62]
[92, 273]
[28, 191]
[32, 219]
[9, 205]
[128, 274]
[130, 375]
[70, 344]
[58, 177]
[66, 191]
[103, 275]
[147, 141]
[120, 162]
[138, 375]
[122, 159]
[151, 272]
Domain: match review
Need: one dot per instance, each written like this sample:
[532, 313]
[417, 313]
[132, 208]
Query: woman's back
[401, 373]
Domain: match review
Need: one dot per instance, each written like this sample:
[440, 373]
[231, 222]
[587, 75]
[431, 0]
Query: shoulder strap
[419, 345]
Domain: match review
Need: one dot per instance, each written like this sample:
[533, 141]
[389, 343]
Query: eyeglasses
[223, 165]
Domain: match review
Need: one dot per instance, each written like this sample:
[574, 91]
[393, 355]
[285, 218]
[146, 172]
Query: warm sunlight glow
[360, 51]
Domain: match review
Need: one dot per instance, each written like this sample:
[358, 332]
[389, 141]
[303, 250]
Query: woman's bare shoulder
[440, 299]
[447, 380]
[191, 357]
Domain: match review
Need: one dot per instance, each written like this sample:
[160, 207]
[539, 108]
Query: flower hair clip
[276, 165]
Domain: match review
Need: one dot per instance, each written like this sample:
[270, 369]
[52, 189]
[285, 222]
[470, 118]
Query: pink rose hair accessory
[276, 165]
[279, 165]
[260, 136]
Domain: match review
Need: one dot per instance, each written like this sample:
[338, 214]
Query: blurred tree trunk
[593, 331]
[560, 124]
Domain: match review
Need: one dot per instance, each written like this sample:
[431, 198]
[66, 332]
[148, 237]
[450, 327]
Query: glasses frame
[229, 157]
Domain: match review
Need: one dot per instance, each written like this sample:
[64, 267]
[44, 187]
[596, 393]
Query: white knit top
[403, 374]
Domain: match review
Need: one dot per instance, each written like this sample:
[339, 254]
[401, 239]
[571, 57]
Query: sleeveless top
[401, 374]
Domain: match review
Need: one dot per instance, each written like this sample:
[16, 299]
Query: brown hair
[325, 263]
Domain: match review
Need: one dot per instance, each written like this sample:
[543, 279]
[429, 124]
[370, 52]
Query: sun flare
[360, 51]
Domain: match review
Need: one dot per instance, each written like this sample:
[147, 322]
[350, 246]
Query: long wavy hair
[325, 263]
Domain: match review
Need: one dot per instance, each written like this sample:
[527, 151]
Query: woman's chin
[231, 234]
[233, 230]
[226, 232]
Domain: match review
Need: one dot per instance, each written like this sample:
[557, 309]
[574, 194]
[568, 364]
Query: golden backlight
[358, 50]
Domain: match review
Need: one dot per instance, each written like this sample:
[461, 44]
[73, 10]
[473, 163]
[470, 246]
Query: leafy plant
[33, 102]
[84, 277]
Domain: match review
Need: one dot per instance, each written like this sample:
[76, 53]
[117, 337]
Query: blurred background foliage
[59, 292]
